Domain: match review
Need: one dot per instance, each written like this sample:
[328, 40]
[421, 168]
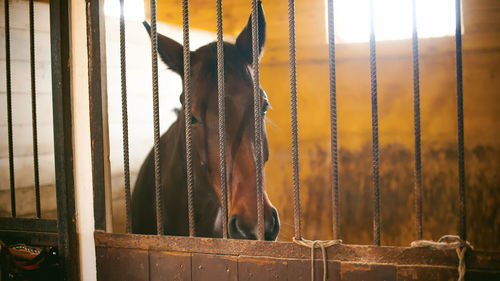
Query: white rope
[449, 242]
[322, 244]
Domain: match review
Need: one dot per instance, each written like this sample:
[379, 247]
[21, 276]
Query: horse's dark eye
[265, 107]
[193, 120]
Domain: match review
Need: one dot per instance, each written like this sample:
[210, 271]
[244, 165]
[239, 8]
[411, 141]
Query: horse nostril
[238, 231]
[273, 227]
[234, 229]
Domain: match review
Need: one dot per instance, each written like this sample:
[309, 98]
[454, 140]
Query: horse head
[239, 119]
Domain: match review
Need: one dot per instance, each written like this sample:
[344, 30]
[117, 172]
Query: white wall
[21, 96]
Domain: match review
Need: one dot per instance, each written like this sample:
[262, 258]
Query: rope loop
[449, 242]
[322, 244]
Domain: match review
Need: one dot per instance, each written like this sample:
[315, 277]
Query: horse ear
[244, 40]
[170, 51]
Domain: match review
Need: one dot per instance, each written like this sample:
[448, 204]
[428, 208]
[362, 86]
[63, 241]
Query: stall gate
[159, 257]
[59, 232]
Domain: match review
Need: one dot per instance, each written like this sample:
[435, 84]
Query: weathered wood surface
[147, 257]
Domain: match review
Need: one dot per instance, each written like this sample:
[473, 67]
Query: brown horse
[240, 148]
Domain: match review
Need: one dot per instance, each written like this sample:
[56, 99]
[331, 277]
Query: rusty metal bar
[416, 120]
[188, 115]
[33, 110]
[9, 110]
[126, 165]
[60, 35]
[156, 118]
[333, 122]
[462, 230]
[30, 238]
[293, 102]
[257, 119]
[96, 112]
[375, 145]
[222, 117]
[24, 224]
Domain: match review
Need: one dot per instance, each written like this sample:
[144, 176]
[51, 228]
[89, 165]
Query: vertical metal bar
[96, 112]
[33, 109]
[462, 231]
[63, 138]
[416, 120]
[126, 166]
[333, 122]
[222, 117]
[375, 145]
[9, 110]
[258, 120]
[156, 113]
[187, 114]
[293, 104]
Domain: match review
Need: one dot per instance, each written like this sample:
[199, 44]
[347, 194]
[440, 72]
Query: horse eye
[193, 120]
[265, 107]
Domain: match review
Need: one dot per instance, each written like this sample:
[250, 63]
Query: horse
[240, 147]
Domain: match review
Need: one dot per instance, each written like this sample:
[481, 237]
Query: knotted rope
[449, 242]
[322, 244]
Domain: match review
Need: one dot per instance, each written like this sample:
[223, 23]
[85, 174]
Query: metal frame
[98, 113]
[60, 36]
[60, 232]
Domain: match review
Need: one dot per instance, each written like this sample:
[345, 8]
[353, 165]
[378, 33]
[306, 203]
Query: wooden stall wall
[481, 56]
[140, 257]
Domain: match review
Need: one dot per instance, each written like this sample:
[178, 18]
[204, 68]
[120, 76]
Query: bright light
[133, 9]
[393, 19]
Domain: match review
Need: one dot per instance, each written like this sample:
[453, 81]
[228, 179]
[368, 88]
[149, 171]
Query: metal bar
[39, 225]
[293, 105]
[375, 145]
[416, 120]
[156, 117]
[462, 231]
[126, 165]
[96, 112]
[9, 110]
[258, 121]
[63, 138]
[188, 114]
[222, 117]
[333, 122]
[33, 109]
[30, 238]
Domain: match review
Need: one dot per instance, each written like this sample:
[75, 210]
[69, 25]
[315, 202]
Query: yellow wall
[481, 41]
[481, 57]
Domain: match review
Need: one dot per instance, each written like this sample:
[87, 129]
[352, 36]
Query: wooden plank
[414, 273]
[352, 253]
[262, 269]
[174, 266]
[122, 264]
[373, 272]
[300, 270]
[214, 267]
[482, 275]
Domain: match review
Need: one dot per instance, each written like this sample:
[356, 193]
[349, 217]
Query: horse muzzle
[238, 230]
